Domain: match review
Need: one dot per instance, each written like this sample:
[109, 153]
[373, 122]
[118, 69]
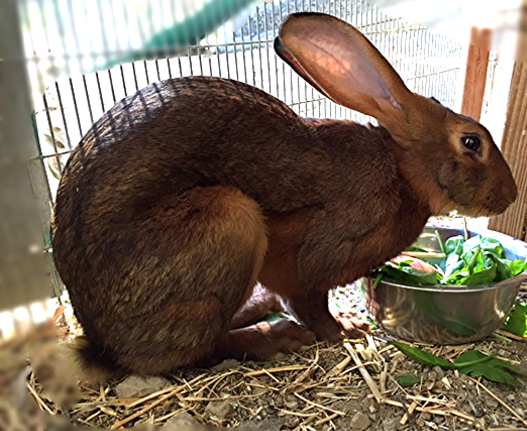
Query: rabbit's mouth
[484, 210]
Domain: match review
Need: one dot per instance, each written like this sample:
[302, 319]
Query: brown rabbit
[184, 196]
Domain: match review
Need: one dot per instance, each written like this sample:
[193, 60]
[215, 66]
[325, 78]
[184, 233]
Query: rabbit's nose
[506, 192]
[510, 192]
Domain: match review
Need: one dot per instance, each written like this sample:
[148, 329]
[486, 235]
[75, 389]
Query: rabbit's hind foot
[265, 341]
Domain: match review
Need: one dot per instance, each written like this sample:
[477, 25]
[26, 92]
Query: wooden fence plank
[514, 148]
[476, 72]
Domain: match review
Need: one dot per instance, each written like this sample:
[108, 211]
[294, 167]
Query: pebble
[259, 391]
[270, 410]
[461, 397]
[504, 353]
[291, 422]
[226, 365]
[291, 403]
[389, 424]
[137, 387]
[491, 403]
[523, 395]
[510, 398]
[467, 408]
[476, 410]
[431, 375]
[360, 421]
[346, 406]
[221, 410]
[274, 424]
[430, 384]
[439, 371]
[178, 422]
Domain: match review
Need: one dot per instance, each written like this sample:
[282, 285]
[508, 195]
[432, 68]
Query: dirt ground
[352, 385]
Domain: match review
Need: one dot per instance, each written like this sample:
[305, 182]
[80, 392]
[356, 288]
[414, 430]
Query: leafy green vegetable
[472, 362]
[488, 367]
[467, 262]
[423, 357]
[408, 380]
[517, 267]
[454, 245]
[503, 270]
[440, 241]
[516, 321]
[377, 280]
[406, 274]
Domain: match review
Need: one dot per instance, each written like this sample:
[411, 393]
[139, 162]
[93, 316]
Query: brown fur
[185, 195]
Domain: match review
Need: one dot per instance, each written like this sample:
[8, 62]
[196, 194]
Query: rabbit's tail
[86, 362]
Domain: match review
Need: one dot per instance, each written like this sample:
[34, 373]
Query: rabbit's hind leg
[212, 243]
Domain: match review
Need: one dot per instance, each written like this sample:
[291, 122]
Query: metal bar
[76, 107]
[61, 105]
[268, 45]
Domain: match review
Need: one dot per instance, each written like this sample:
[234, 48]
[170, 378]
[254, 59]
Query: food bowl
[445, 314]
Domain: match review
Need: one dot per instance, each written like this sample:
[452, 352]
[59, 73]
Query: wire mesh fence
[68, 106]
[83, 56]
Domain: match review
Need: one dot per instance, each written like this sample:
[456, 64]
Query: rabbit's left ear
[342, 64]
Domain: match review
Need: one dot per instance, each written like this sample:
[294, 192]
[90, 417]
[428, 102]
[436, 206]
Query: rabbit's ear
[342, 64]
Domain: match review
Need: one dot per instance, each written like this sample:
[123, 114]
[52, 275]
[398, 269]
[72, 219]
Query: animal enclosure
[83, 56]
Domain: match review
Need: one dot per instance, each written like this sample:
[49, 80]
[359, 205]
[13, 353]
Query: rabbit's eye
[473, 143]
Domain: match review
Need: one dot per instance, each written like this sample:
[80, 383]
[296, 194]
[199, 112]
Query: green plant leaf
[453, 263]
[408, 380]
[492, 245]
[517, 267]
[503, 271]
[516, 321]
[409, 276]
[454, 245]
[477, 364]
[481, 277]
[440, 242]
[472, 362]
[423, 357]
[378, 279]
[473, 258]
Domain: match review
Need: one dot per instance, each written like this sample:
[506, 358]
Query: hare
[185, 196]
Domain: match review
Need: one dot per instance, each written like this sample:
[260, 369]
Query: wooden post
[514, 143]
[26, 273]
[476, 72]
[514, 148]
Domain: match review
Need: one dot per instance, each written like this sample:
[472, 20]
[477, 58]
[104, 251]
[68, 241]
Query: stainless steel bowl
[443, 314]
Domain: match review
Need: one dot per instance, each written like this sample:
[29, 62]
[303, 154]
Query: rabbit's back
[180, 133]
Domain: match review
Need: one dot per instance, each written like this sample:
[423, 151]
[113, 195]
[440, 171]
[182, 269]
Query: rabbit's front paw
[352, 326]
